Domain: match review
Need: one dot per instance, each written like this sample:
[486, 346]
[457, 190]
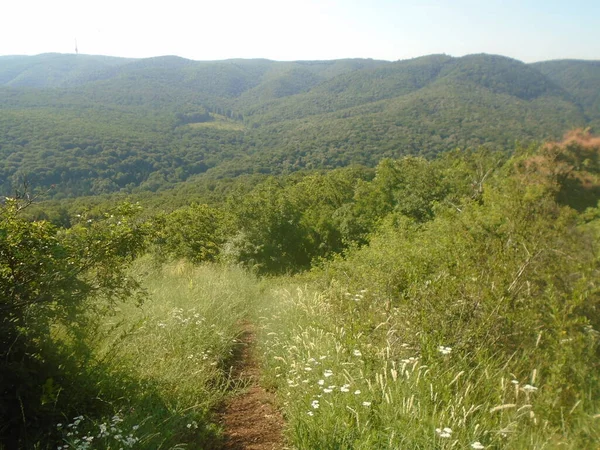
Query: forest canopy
[103, 125]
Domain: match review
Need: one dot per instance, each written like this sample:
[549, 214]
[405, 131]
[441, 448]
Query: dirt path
[251, 420]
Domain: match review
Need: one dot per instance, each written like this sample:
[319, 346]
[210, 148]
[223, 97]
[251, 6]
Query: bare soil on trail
[250, 419]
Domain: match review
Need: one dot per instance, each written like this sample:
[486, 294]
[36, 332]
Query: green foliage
[569, 169]
[195, 233]
[285, 224]
[105, 125]
[409, 186]
[55, 70]
[577, 77]
[162, 368]
[324, 201]
[460, 293]
[47, 277]
[271, 235]
[482, 319]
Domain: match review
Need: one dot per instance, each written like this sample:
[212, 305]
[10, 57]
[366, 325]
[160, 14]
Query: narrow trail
[251, 420]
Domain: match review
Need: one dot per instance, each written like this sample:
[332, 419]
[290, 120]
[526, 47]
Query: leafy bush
[195, 233]
[48, 278]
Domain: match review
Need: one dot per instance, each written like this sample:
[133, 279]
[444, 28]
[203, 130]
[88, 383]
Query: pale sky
[529, 30]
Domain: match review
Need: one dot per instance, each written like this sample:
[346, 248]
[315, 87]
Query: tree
[195, 233]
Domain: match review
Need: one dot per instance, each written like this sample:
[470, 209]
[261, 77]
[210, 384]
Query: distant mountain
[581, 79]
[55, 69]
[95, 124]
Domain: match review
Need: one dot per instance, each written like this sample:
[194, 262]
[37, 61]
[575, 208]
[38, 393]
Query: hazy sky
[529, 30]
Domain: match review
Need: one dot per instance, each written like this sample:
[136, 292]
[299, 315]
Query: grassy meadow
[162, 367]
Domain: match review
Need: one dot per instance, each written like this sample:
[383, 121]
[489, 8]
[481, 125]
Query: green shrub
[48, 277]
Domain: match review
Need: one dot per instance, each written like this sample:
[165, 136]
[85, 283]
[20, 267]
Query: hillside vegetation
[90, 125]
[414, 242]
[429, 304]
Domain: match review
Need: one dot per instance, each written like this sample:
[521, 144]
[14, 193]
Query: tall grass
[162, 367]
[349, 376]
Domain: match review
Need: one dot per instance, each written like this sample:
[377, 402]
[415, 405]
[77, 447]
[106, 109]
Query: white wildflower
[529, 388]
[367, 404]
[116, 419]
[357, 353]
[477, 445]
[444, 432]
[357, 392]
[410, 360]
[103, 430]
[444, 350]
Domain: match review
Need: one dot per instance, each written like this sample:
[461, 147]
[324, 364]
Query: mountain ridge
[104, 124]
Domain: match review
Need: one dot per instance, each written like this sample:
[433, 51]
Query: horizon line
[288, 60]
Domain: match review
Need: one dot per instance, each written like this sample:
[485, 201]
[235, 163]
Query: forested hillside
[580, 79]
[441, 303]
[89, 125]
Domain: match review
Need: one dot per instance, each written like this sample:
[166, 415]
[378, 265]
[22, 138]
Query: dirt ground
[251, 420]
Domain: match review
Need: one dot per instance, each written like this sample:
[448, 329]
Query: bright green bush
[195, 233]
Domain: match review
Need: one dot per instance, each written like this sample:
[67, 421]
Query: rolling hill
[580, 79]
[94, 124]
